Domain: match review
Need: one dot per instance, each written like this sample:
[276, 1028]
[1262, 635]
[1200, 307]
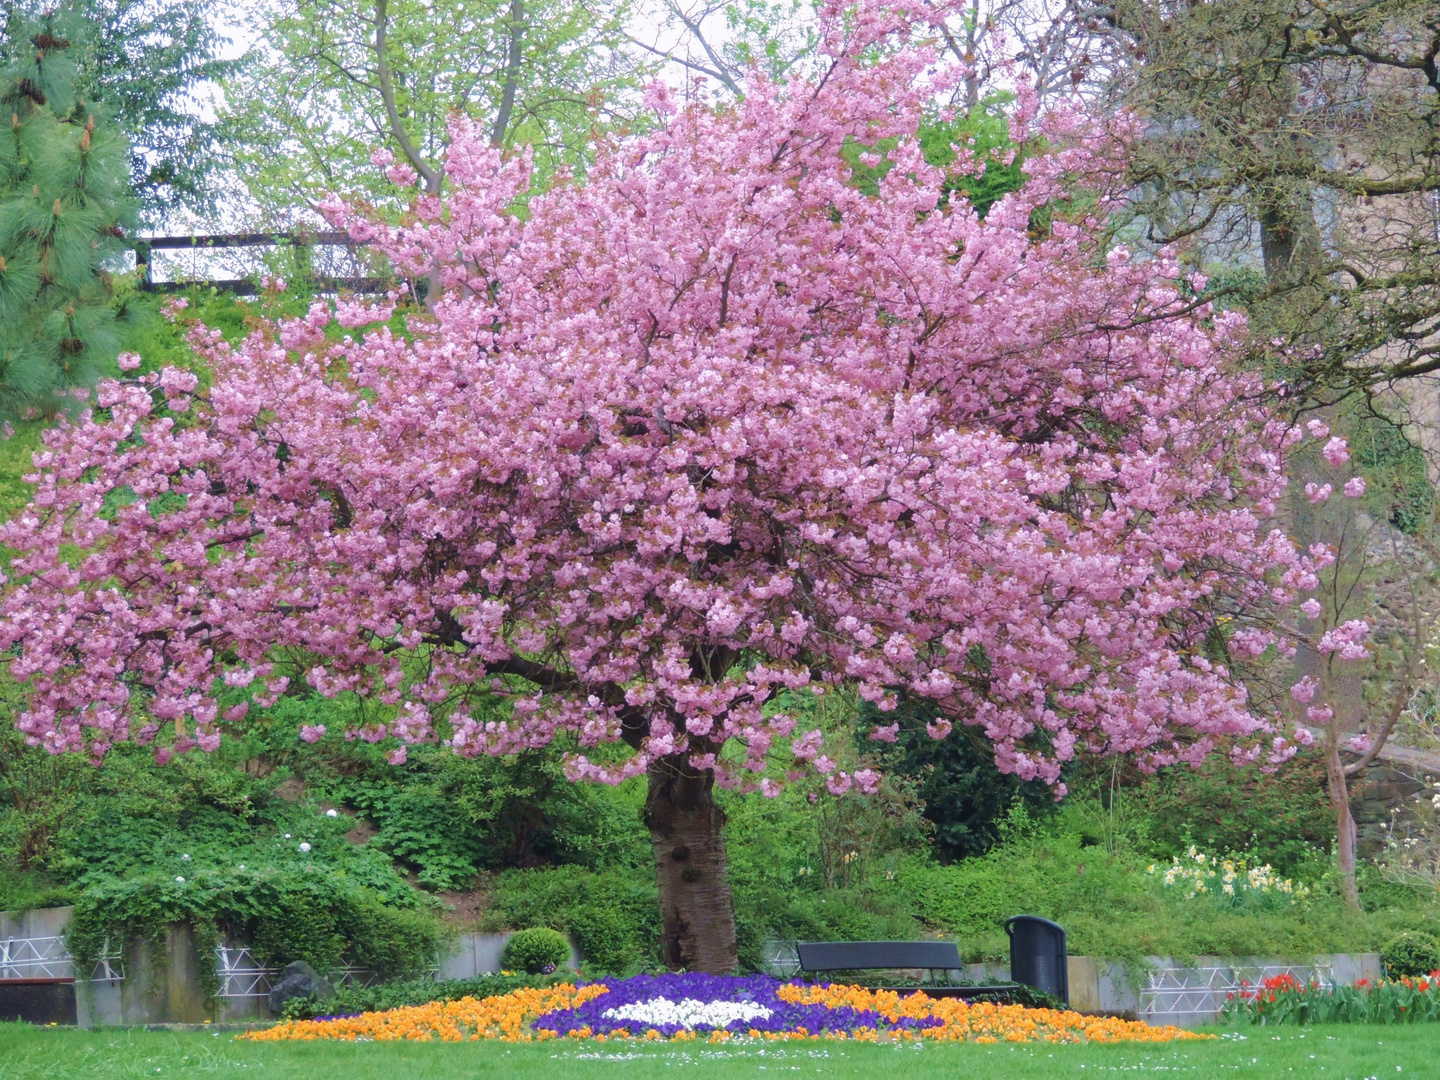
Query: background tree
[686, 443]
[715, 44]
[1365, 631]
[1307, 133]
[64, 206]
[146, 62]
[330, 80]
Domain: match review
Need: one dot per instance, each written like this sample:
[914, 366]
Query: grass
[1348, 1052]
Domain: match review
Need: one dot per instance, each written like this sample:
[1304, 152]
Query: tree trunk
[1339, 791]
[687, 832]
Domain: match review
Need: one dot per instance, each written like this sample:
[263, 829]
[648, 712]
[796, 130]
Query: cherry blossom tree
[705, 433]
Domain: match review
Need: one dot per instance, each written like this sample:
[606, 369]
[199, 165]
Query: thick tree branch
[431, 176]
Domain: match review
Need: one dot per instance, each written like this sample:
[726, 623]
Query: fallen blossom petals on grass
[776, 1011]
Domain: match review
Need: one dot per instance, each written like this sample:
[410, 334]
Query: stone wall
[1387, 790]
[156, 982]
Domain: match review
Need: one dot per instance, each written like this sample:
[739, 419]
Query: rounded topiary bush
[1410, 954]
[537, 952]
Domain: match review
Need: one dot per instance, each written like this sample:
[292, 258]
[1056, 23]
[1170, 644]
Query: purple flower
[757, 990]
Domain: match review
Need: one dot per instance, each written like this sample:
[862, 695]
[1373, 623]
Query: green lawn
[1355, 1052]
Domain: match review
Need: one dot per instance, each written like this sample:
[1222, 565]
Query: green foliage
[1281, 817]
[303, 118]
[135, 846]
[820, 871]
[143, 60]
[1112, 907]
[985, 131]
[1410, 954]
[64, 206]
[450, 817]
[963, 793]
[24, 891]
[1398, 485]
[327, 911]
[613, 915]
[536, 952]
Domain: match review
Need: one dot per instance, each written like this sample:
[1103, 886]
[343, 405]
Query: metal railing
[1200, 991]
[34, 958]
[243, 976]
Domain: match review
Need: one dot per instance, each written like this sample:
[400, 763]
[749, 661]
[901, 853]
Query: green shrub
[1112, 908]
[1410, 954]
[1281, 817]
[536, 952]
[613, 915]
[964, 794]
[22, 891]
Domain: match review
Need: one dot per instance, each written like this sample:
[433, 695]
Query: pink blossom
[1336, 452]
[708, 402]
[398, 757]
[401, 175]
[1346, 639]
[1355, 487]
[1304, 690]
[867, 780]
[839, 784]
[1311, 608]
[128, 361]
[312, 733]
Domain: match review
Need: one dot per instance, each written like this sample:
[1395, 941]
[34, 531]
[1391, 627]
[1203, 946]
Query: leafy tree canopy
[144, 61]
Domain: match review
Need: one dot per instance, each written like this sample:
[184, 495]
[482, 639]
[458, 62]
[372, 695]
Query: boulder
[299, 980]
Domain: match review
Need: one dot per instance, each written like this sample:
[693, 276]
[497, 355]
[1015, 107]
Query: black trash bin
[1038, 956]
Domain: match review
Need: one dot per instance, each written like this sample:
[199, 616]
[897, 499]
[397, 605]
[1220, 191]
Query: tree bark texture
[688, 836]
[1339, 790]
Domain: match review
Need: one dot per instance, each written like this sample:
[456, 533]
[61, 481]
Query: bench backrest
[875, 955]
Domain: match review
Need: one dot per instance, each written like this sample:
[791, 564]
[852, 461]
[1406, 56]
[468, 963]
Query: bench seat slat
[877, 955]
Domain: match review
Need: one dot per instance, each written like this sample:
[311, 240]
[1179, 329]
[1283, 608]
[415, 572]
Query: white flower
[304, 848]
[287, 836]
[184, 858]
[688, 1012]
[242, 866]
[332, 813]
[181, 880]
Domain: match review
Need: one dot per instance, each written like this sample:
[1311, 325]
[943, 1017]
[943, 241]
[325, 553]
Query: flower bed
[719, 1008]
[1283, 999]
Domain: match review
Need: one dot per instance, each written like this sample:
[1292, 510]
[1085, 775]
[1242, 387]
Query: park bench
[1037, 960]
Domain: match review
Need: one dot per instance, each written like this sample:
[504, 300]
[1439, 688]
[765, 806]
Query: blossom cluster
[713, 400]
[1195, 874]
[720, 1008]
